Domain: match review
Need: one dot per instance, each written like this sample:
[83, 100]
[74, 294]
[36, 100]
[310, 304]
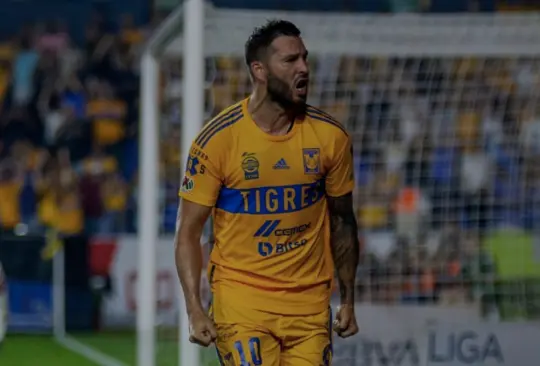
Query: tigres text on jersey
[270, 212]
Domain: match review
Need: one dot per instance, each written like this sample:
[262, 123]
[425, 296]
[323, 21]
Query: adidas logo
[281, 164]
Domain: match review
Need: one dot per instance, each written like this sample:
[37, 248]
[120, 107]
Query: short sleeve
[202, 179]
[340, 177]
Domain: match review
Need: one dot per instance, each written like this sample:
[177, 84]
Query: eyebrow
[296, 55]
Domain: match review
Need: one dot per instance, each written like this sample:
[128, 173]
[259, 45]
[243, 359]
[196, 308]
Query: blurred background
[446, 164]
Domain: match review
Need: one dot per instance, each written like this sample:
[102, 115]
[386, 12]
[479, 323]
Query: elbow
[187, 237]
[181, 239]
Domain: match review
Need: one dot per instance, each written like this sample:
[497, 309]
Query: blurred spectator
[28, 160]
[70, 61]
[419, 279]
[374, 207]
[444, 159]
[95, 168]
[98, 162]
[114, 193]
[107, 113]
[492, 129]
[45, 180]
[73, 95]
[530, 128]
[5, 72]
[170, 148]
[412, 213]
[476, 169]
[54, 39]
[130, 35]
[11, 180]
[55, 119]
[444, 187]
[69, 216]
[395, 152]
[24, 67]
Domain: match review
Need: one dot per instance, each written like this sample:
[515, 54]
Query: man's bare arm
[344, 243]
[188, 251]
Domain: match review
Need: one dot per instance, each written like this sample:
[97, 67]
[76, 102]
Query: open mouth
[301, 86]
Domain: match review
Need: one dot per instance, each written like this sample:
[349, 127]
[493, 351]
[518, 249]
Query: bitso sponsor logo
[266, 249]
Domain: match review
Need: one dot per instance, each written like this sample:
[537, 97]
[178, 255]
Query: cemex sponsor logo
[270, 227]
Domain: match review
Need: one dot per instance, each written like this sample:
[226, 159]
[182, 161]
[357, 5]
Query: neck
[270, 116]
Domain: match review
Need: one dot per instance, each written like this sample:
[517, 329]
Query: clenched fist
[202, 330]
[345, 324]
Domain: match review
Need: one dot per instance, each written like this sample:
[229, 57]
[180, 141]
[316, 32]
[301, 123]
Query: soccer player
[276, 175]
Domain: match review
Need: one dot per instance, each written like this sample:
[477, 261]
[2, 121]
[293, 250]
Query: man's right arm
[199, 190]
[188, 251]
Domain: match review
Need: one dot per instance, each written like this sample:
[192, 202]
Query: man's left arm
[344, 244]
[343, 232]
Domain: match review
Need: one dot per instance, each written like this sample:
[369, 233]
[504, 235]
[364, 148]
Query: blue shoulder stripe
[321, 116]
[321, 113]
[222, 115]
[229, 121]
[216, 121]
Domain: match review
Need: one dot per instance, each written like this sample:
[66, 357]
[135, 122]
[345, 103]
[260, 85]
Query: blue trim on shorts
[330, 337]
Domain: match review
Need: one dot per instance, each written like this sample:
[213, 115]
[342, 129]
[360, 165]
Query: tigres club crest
[312, 160]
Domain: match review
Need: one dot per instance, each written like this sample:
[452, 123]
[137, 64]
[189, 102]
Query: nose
[303, 66]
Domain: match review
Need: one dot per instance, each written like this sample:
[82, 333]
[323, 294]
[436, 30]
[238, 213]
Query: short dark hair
[263, 36]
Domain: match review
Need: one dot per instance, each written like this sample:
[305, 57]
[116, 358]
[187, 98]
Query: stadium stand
[445, 151]
[65, 128]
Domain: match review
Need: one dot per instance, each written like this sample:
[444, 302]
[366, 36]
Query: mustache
[300, 77]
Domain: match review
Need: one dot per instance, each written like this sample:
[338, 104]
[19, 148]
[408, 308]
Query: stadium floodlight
[202, 35]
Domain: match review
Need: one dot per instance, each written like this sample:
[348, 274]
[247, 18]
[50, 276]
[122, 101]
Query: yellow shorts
[248, 337]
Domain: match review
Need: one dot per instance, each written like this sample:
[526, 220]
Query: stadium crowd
[445, 154]
[445, 149]
[68, 128]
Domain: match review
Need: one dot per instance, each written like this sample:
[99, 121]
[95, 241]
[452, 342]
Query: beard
[281, 93]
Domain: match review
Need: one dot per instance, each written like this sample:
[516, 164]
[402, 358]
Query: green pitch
[37, 350]
[32, 350]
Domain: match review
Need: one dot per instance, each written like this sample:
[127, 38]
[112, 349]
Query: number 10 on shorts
[254, 345]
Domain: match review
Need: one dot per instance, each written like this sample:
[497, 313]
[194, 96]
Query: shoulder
[213, 132]
[327, 124]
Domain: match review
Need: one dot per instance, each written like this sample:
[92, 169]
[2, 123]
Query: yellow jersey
[271, 226]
